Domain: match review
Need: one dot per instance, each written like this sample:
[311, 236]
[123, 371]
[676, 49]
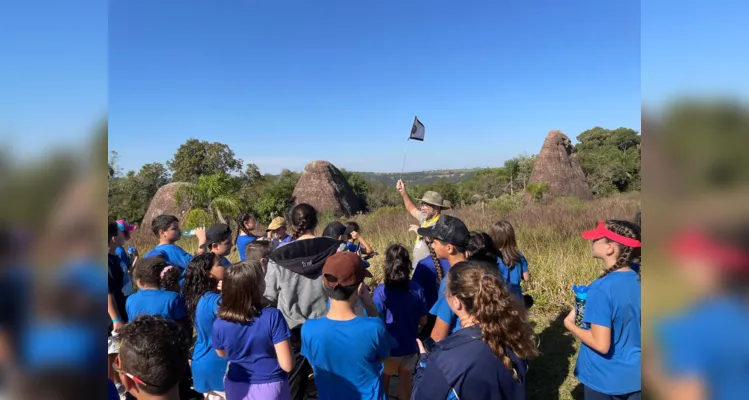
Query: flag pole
[403, 167]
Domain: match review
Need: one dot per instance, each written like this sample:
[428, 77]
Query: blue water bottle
[131, 252]
[581, 296]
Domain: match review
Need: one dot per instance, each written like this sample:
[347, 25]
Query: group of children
[453, 327]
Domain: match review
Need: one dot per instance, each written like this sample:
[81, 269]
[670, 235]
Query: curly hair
[198, 281]
[303, 219]
[154, 272]
[627, 255]
[242, 292]
[154, 350]
[486, 298]
[397, 267]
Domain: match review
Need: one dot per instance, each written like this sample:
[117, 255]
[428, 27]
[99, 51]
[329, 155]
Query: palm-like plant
[213, 199]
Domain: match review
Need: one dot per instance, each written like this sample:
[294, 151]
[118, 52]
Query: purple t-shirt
[250, 347]
[401, 311]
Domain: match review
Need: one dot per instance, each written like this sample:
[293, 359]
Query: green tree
[358, 185]
[196, 158]
[276, 197]
[610, 159]
[130, 195]
[213, 199]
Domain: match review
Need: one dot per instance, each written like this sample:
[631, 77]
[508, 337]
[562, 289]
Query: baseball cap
[124, 227]
[344, 269]
[276, 223]
[601, 231]
[217, 234]
[448, 230]
[336, 229]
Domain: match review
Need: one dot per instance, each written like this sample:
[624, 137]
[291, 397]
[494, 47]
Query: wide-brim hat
[277, 223]
[434, 199]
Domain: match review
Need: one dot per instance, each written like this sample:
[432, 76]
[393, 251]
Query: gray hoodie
[293, 281]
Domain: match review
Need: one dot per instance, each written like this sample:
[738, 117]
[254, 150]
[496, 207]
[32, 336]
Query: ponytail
[501, 318]
[241, 218]
[154, 272]
[627, 255]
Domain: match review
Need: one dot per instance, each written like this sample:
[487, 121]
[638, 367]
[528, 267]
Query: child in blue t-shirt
[608, 364]
[127, 263]
[254, 339]
[152, 274]
[345, 350]
[401, 304]
[218, 242]
[513, 267]
[246, 223]
[202, 296]
[166, 228]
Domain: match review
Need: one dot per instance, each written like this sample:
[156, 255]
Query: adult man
[277, 233]
[428, 213]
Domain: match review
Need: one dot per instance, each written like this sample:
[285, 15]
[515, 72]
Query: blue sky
[284, 83]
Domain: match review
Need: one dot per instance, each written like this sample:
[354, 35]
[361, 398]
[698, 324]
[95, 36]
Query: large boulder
[163, 202]
[323, 186]
[557, 166]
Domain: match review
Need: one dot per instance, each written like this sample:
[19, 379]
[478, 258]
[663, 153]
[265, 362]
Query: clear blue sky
[286, 82]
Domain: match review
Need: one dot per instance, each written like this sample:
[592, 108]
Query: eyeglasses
[131, 376]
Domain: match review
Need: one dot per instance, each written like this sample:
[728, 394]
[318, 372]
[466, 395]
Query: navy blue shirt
[462, 366]
[401, 310]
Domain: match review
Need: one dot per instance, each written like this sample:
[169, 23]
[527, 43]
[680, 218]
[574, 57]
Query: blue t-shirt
[401, 310]
[242, 242]
[347, 356]
[514, 276]
[225, 262]
[122, 254]
[613, 302]
[276, 242]
[127, 286]
[442, 310]
[174, 255]
[709, 342]
[250, 347]
[208, 368]
[112, 393]
[425, 274]
[167, 304]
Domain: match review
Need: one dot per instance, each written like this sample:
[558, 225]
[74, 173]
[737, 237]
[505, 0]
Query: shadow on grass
[550, 370]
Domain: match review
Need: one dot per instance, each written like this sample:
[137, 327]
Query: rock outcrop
[163, 202]
[557, 166]
[324, 187]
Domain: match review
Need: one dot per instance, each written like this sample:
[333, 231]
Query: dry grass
[548, 235]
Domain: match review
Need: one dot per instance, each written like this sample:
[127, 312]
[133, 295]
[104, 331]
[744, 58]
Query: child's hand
[117, 326]
[569, 320]
[413, 228]
[363, 291]
[200, 234]
[218, 287]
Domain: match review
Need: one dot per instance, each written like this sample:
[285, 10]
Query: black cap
[217, 234]
[448, 230]
[336, 229]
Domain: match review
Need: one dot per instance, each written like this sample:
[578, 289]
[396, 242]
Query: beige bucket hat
[278, 222]
[434, 199]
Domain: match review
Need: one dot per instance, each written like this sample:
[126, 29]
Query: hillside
[421, 177]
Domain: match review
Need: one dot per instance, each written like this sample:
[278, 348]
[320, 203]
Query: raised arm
[410, 206]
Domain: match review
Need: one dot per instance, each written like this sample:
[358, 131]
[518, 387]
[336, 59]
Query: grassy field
[549, 237]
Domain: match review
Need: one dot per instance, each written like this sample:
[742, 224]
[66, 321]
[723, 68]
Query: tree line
[223, 185]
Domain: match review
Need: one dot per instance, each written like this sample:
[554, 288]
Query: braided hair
[627, 255]
[437, 264]
[241, 219]
[502, 320]
[303, 219]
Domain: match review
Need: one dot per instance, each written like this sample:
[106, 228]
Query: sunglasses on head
[131, 376]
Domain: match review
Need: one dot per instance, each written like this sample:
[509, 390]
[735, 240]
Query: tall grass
[548, 235]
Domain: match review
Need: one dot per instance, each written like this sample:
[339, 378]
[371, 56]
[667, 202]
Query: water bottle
[189, 233]
[131, 252]
[581, 296]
